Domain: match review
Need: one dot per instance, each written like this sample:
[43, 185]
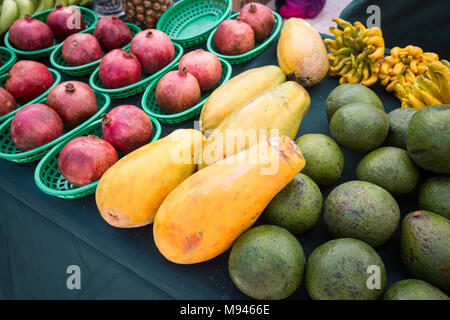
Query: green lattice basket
[10, 152]
[90, 19]
[56, 58]
[137, 87]
[49, 179]
[189, 22]
[257, 50]
[8, 58]
[56, 79]
[151, 107]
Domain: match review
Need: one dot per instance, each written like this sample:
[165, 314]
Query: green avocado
[350, 93]
[345, 269]
[390, 168]
[428, 138]
[297, 207]
[267, 263]
[425, 247]
[413, 289]
[324, 158]
[359, 127]
[435, 195]
[361, 210]
[399, 121]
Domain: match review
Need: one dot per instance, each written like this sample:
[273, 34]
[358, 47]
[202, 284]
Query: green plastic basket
[149, 104]
[56, 79]
[189, 22]
[57, 60]
[90, 19]
[49, 179]
[8, 57]
[135, 88]
[10, 152]
[257, 50]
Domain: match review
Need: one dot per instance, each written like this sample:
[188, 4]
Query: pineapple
[145, 13]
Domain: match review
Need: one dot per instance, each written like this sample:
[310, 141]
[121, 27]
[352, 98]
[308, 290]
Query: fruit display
[356, 53]
[80, 49]
[145, 13]
[112, 33]
[119, 68]
[7, 102]
[29, 34]
[259, 17]
[399, 121]
[65, 21]
[414, 289]
[433, 195]
[233, 37]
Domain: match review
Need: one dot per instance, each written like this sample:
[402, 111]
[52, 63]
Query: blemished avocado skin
[361, 210]
[340, 270]
[428, 138]
[267, 263]
[425, 247]
[297, 207]
[399, 121]
[324, 158]
[414, 289]
[434, 195]
[390, 168]
[349, 93]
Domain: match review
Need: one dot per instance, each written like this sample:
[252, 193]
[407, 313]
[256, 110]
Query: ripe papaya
[131, 191]
[238, 91]
[301, 53]
[202, 217]
[281, 108]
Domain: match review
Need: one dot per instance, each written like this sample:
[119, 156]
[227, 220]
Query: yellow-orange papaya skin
[131, 191]
[206, 213]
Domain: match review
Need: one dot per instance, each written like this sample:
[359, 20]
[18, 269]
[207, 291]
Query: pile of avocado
[403, 149]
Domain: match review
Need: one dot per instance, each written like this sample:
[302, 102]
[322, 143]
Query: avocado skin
[337, 270]
[390, 168]
[267, 263]
[435, 195]
[399, 121]
[425, 247]
[350, 93]
[428, 138]
[361, 210]
[413, 289]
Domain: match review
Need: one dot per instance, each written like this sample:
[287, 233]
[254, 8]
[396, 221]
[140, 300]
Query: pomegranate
[127, 128]
[29, 34]
[234, 37]
[153, 48]
[35, 125]
[85, 159]
[112, 33]
[119, 68]
[65, 21]
[7, 102]
[203, 65]
[259, 17]
[27, 80]
[74, 101]
[177, 91]
[81, 48]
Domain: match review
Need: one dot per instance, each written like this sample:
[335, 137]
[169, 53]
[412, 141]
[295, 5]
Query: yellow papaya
[238, 91]
[131, 191]
[301, 53]
[204, 215]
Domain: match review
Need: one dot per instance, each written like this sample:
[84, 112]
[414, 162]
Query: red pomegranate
[177, 91]
[233, 37]
[153, 48]
[203, 65]
[112, 33]
[74, 101]
[29, 34]
[7, 102]
[27, 80]
[35, 125]
[119, 68]
[65, 21]
[81, 48]
[259, 17]
[127, 128]
[85, 159]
